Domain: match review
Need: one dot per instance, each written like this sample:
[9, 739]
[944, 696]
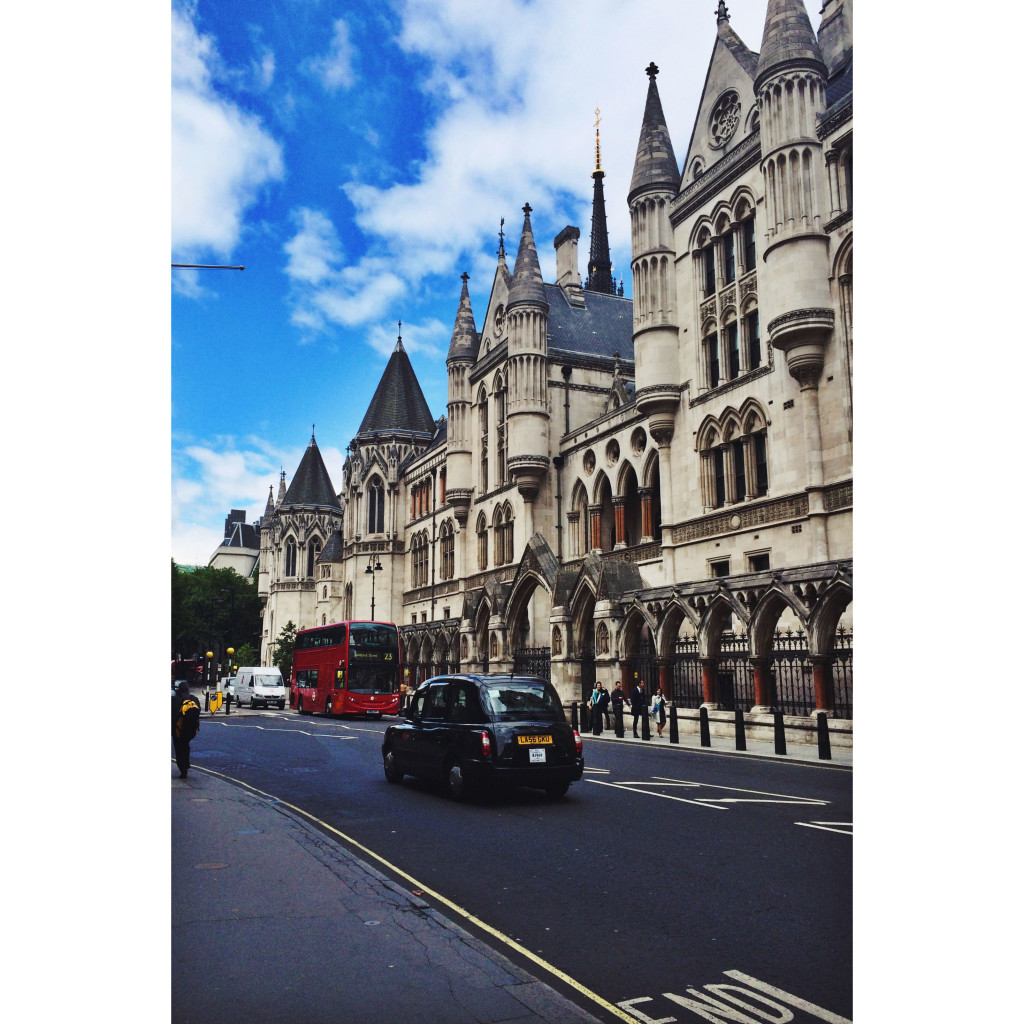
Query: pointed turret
[655, 167]
[464, 337]
[527, 319]
[527, 283]
[398, 403]
[269, 510]
[599, 277]
[311, 484]
[461, 356]
[788, 42]
[655, 317]
[281, 489]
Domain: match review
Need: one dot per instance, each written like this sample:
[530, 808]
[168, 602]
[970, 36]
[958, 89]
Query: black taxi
[474, 731]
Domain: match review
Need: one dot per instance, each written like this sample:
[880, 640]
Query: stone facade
[658, 485]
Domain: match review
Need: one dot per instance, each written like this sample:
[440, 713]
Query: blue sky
[356, 157]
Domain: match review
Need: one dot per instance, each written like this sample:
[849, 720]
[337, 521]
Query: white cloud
[334, 69]
[315, 251]
[223, 473]
[429, 338]
[221, 155]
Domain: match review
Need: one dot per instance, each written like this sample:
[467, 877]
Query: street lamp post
[209, 667]
[231, 655]
[372, 570]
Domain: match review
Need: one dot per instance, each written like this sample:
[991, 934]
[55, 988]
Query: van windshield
[268, 681]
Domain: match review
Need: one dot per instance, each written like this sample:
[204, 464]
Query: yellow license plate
[532, 741]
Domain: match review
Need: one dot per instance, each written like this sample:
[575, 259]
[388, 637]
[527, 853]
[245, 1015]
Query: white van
[260, 685]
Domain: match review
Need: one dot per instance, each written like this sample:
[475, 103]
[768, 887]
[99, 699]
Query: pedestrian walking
[184, 725]
[637, 704]
[658, 709]
[598, 707]
[617, 701]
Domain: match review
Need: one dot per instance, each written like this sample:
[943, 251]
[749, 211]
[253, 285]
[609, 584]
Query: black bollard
[575, 717]
[584, 717]
[620, 727]
[673, 725]
[780, 734]
[207, 708]
[741, 734]
[824, 746]
[645, 723]
[227, 704]
[705, 728]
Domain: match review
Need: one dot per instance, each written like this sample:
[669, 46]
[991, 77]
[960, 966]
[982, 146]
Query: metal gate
[687, 680]
[532, 661]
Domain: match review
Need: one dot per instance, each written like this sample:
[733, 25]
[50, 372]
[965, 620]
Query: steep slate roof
[788, 39]
[603, 328]
[465, 340]
[334, 549]
[398, 403]
[242, 535]
[527, 283]
[311, 485]
[655, 163]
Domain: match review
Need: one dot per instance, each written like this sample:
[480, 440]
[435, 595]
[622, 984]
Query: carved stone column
[762, 686]
[709, 677]
[619, 508]
[824, 686]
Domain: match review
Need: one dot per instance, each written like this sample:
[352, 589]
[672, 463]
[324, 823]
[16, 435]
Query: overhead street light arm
[205, 266]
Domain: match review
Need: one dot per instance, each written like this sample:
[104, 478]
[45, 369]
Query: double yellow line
[461, 911]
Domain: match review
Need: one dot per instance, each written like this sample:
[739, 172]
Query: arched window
[375, 506]
[501, 439]
[712, 366]
[291, 553]
[312, 553]
[481, 541]
[731, 337]
[752, 338]
[447, 537]
[482, 423]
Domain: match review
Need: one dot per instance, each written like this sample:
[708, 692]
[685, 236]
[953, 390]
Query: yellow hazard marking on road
[423, 889]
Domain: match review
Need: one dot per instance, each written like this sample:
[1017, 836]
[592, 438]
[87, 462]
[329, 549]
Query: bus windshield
[368, 678]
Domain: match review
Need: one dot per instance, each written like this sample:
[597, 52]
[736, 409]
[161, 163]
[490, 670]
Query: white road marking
[786, 997]
[629, 789]
[844, 828]
[737, 789]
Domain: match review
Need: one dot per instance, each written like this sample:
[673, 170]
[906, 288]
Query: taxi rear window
[522, 699]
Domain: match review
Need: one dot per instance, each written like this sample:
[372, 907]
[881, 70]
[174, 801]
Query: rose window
[725, 118]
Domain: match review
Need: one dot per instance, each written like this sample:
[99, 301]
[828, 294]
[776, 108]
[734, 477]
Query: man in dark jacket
[637, 704]
[184, 725]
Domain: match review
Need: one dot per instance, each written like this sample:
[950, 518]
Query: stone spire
[269, 511]
[655, 166]
[599, 273]
[281, 489]
[788, 41]
[527, 283]
[464, 337]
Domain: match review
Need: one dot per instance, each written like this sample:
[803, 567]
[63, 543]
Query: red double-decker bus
[347, 668]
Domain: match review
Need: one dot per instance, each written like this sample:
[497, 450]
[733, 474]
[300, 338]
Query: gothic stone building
[659, 486]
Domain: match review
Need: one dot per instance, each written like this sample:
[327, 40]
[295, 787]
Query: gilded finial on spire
[597, 126]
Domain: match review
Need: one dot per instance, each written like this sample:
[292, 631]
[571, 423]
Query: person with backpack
[184, 725]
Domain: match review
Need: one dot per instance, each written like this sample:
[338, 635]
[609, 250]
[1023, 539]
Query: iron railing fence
[791, 678]
[532, 661]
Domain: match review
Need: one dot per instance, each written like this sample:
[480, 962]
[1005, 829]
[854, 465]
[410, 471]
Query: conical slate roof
[398, 403]
[311, 484]
[788, 40]
[334, 549]
[465, 340]
[527, 283]
[655, 164]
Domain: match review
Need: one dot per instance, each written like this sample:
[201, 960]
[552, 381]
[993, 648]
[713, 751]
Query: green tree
[212, 610]
[246, 655]
[284, 649]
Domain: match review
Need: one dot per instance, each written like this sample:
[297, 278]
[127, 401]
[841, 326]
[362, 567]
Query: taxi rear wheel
[392, 772]
[455, 781]
[557, 789]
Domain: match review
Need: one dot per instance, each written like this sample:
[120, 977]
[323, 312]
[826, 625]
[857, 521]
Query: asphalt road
[659, 872]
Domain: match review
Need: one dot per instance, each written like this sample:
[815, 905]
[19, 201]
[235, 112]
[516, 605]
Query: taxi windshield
[523, 699]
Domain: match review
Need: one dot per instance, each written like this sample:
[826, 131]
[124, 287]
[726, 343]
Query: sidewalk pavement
[277, 922]
[803, 753]
[280, 923]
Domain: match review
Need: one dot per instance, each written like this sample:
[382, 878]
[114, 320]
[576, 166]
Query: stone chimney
[567, 265]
